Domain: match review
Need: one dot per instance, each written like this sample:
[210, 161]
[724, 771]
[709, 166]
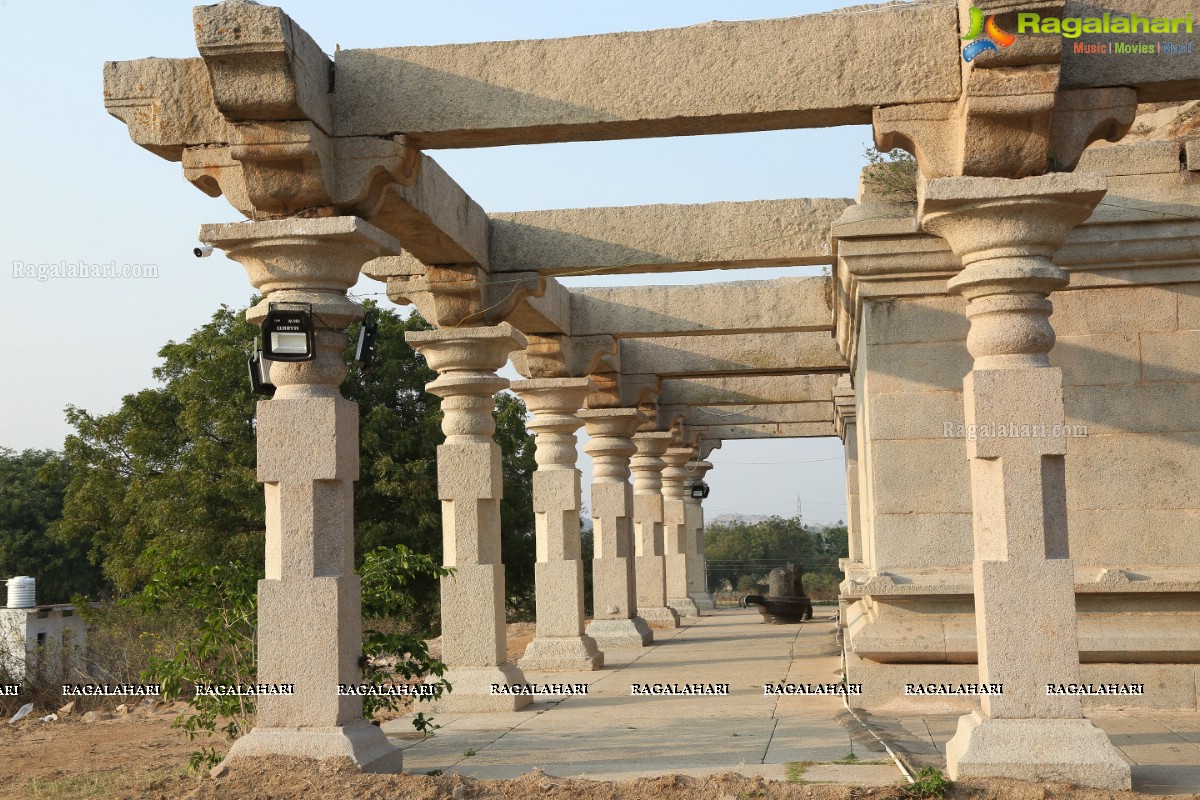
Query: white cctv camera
[203, 251]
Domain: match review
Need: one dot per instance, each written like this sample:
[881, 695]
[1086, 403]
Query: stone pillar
[470, 485]
[675, 530]
[845, 417]
[1005, 232]
[694, 512]
[647, 466]
[560, 643]
[615, 621]
[309, 603]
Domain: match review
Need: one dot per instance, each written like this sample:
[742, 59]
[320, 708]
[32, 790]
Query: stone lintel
[718, 77]
[781, 430]
[768, 414]
[746, 389]
[781, 305]
[664, 237]
[735, 353]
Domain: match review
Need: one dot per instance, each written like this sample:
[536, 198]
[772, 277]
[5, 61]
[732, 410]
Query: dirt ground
[138, 756]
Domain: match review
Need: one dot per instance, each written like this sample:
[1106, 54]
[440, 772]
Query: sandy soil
[139, 758]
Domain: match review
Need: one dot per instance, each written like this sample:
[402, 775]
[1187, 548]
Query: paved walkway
[610, 735]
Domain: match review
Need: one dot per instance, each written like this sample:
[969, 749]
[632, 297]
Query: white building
[31, 634]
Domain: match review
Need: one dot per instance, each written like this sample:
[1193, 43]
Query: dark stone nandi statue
[785, 602]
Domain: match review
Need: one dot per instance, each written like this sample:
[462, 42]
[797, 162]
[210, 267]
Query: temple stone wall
[1130, 355]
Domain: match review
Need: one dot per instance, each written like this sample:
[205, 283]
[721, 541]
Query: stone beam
[665, 237]
[719, 77]
[250, 120]
[781, 430]
[769, 414]
[785, 304]
[737, 353]
[1158, 79]
[746, 389]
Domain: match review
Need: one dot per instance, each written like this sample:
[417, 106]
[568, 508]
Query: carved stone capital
[1006, 232]
[1015, 129]
[614, 390]
[309, 261]
[466, 360]
[610, 443]
[557, 356]
[280, 169]
[647, 464]
[555, 403]
[844, 406]
[675, 473]
[284, 258]
[455, 295]
[1012, 119]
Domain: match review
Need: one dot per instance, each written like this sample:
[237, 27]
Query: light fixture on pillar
[698, 490]
[368, 334]
[260, 373]
[287, 333]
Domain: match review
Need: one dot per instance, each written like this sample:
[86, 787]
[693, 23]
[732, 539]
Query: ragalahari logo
[984, 36]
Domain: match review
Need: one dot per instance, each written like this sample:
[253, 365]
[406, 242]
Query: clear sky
[77, 189]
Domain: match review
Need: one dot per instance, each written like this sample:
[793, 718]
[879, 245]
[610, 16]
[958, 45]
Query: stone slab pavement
[609, 734]
[1161, 747]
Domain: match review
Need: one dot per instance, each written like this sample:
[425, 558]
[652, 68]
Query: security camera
[203, 251]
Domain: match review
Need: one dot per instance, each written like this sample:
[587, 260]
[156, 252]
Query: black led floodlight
[699, 490]
[364, 354]
[260, 373]
[287, 333]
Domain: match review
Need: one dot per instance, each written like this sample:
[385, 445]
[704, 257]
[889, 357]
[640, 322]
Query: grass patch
[100, 785]
[930, 782]
[796, 770]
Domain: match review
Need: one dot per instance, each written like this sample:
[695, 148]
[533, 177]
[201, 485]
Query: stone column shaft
[675, 530]
[615, 620]
[647, 466]
[470, 485]
[310, 600]
[1006, 231]
[697, 569]
[560, 643]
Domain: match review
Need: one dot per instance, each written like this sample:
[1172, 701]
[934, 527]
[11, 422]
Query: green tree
[518, 546]
[174, 467]
[31, 498]
[219, 605]
[745, 552]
